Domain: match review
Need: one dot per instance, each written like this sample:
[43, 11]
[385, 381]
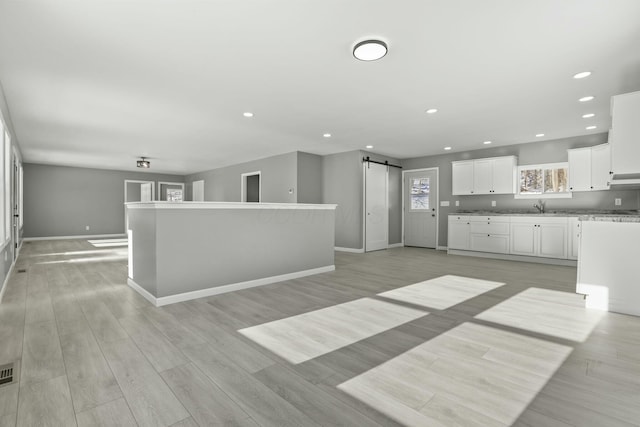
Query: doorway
[251, 190]
[376, 202]
[18, 176]
[171, 191]
[137, 191]
[420, 207]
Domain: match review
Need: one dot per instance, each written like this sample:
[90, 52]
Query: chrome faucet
[540, 206]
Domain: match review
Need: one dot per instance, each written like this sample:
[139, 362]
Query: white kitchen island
[185, 250]
[609, 263]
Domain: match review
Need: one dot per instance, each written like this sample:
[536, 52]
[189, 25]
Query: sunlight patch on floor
[442, 292]
[309, 335]
[554, 313]
[472, 375]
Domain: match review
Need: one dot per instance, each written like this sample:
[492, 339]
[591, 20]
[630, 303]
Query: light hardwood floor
[91, 351]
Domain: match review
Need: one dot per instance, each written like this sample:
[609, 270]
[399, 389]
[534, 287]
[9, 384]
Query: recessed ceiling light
[539, 135]
[487, 142]
[587, 116]
[582, 75]
[370, 50]
[327, 135]
[591, 127]
[432, 110]
[586, 98]
[369, 146]
[447, 148]
[247, 114]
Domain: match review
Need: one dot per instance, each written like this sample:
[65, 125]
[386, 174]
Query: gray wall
[532, 153]
[309, 178]
[61, 201]
[278, 176]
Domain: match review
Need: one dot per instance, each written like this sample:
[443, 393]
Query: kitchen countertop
[583, 214]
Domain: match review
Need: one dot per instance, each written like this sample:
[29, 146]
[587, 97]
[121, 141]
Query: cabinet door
[503, 175]
[600, 166]
[552, 240]
[580, 169]
[625, 145]
[523, 238]
[462, 178]
[482, 174]
[458, 234]
[574, 237]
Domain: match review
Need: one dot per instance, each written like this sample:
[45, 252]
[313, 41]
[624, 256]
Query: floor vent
[6, 373]
[22, 270]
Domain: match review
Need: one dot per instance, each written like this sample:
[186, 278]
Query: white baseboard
[352, 250]
[396, 245]
[442, 248]
[84, 236]
[201, 293]
[508, 257]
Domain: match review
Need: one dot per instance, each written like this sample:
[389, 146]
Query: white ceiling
[99, 83]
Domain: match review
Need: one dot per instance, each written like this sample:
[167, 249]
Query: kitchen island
[185, 250]
[609, 262]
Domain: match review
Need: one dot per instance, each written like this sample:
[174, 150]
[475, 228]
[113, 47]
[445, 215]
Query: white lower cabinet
[458, 235]
[489, 234]
[535, 236]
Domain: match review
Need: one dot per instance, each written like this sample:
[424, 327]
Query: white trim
[243, 185]
[437, 204]
[509, 257]
[225, 205]
[352, 250]
[86, 236]
[365, 166]
[6, 280]
[201, 293]
[442, 248]
[396, 245]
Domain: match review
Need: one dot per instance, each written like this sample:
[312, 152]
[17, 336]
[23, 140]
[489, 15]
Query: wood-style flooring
[89, 351]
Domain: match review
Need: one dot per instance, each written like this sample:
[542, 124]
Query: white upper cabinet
[589, 168]
[484, 176]
[462, 178]
[625, 144]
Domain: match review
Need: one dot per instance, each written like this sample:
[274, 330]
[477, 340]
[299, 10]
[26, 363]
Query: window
[419, 194]
[550, 180]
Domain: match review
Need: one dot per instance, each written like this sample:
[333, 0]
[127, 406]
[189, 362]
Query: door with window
[421, 208]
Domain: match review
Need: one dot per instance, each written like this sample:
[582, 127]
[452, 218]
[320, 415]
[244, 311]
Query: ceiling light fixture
[447, 148]
[487, 142]
[591, 127]
[327, 135]
[588, 116]
[369, 146]
[582, 75]
[370, 50]
[539, 135]
[586, 98]
[143, 163]
[432, 110]
[248, 114]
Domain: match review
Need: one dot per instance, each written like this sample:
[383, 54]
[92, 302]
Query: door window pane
[419, 193]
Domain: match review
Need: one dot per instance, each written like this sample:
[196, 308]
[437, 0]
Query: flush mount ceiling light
[369, 146]
[248, 114]
[327, 135]
[539, 135]
[370, 50]
[582, 75]
[586, 98]
[143, 163]
[447, 148]
[487, 142]
[432, 111]
[591, 127]
[587, 116]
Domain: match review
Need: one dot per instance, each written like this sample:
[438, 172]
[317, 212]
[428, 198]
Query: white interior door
[421, 208]
[198, 191]
[376, 207]
[136, 191]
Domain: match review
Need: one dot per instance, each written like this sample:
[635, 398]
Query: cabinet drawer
[458, 218]
[489, 243]
[489, 227]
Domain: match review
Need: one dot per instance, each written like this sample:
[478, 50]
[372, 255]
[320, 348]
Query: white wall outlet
[457, 202]
[87, 228]
[493, 203]
[618, 202]
[444, 203]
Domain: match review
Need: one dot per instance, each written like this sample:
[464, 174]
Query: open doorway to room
[171, 191]
[251, 190]
[137, 191]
